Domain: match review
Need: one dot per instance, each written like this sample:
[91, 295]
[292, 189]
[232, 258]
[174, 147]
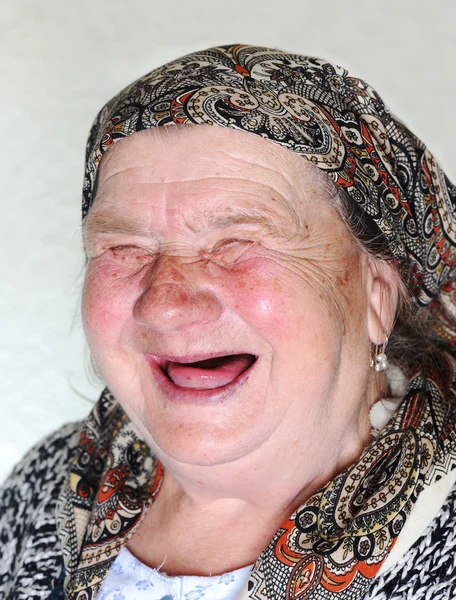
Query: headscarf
[337, 541]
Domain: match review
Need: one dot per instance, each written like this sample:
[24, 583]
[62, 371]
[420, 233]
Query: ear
[383, 290]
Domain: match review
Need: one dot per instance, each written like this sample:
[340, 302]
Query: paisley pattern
[112, 480]
[334, 544]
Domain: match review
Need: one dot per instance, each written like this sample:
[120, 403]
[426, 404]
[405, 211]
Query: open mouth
[207, 374]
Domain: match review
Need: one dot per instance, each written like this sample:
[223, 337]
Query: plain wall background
[60, 61]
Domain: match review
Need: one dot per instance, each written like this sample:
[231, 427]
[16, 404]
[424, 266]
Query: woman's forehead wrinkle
[300, 181]
[271, 209]
[257, 184]
[275, 170]
[222, 206]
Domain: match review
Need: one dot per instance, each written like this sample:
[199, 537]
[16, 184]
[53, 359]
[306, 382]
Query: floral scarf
[340, 538]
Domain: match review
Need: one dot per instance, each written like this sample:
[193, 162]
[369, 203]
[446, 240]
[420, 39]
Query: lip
[183, 395]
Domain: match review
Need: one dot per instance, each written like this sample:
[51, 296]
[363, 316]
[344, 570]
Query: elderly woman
[243, 279]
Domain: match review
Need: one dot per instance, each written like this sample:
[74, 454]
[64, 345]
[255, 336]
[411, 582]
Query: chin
[198, 443]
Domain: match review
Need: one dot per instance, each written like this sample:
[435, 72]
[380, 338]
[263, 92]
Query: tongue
[209, 374]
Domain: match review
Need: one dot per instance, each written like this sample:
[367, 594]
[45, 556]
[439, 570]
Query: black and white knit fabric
[31, 565]
[428, 570]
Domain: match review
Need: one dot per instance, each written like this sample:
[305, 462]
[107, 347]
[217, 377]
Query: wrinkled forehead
[211, 151]
[211, 168]
[184, 183]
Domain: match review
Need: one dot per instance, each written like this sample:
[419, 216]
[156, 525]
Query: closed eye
[121, 247]
[238, 242]
[130, 255]
[231, 250]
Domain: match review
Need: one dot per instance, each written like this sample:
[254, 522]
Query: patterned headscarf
[335, 543]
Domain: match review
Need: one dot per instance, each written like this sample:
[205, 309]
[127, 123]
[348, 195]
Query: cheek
[295, 308]
[107, 302]
[268, 297]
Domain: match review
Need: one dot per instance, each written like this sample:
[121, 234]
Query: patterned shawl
[334, 544]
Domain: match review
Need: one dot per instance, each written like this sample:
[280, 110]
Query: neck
[244, 507]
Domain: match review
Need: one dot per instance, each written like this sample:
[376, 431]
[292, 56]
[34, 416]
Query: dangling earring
[379, 360]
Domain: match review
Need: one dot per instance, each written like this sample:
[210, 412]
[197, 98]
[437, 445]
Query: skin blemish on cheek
[265, 306]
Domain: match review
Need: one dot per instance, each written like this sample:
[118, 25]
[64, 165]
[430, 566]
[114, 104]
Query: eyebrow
[241, 216]
[108, 223]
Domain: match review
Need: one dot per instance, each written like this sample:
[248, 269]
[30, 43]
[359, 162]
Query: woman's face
[225, 302]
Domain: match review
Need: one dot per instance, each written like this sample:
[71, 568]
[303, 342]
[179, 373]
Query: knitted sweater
[31, 559]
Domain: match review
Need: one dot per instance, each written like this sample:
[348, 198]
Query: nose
[176, 295]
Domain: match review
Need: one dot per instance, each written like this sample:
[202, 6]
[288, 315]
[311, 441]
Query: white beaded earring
[379, 360]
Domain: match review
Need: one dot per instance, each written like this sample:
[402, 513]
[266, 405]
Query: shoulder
[28, 516]
[35, 475]
[428, 569]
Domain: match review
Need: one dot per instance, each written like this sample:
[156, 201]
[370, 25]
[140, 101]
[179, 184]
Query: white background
[60, 61]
